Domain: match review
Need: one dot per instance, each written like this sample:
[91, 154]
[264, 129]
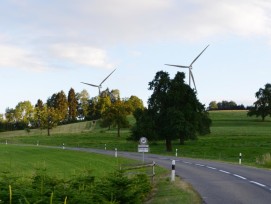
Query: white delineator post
[176, 154]
[240, 158]
[173, 171]
[63, 146]
[116, 152]
[104, 146]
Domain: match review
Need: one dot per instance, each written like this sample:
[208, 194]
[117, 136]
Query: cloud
[16, 57]
[110, 22]
[82, 54]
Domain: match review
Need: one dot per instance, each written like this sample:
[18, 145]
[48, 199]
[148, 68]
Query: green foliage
[123, 190]
[41, 188]
[116, 115]
[144, 126]
[174, 109]
[72, 105]
[262, 107]
[264, 160]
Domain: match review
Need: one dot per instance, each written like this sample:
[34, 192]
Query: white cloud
[113, 21]
[81, 54]
[16, 57]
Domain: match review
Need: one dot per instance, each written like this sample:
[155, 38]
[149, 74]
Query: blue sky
[53, 45]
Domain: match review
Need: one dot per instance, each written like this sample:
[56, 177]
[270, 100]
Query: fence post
[173, 171]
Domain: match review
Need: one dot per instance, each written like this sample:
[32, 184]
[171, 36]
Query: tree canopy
[174, 111]
[262, 106]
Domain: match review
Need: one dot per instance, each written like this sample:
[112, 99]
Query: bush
[41, 188]
[264, 160]
[118, 188]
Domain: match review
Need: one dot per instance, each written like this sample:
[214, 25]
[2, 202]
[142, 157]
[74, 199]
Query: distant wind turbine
[100, 85]
[190, 68]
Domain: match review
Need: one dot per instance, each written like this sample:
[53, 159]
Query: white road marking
[210, 167]
[199, 165]
[259, 184]
[187, 162]
[226, 172]
[241, 177]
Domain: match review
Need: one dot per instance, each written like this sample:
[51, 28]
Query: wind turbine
[100, 85]
[190, 68]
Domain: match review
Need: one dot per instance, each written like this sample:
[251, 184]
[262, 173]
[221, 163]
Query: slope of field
[232, 132]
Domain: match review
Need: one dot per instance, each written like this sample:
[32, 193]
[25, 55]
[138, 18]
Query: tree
[60, 105]
[72, 104]
[134, 103]
[39, 108]
[175, 110]
[213, 105]
[83, 106]
[24, 113]
[144, 125]
[49, 118]
[262, 107]
[116, 115]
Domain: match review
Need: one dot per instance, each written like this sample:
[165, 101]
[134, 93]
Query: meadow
[37, 174]
[232, 132]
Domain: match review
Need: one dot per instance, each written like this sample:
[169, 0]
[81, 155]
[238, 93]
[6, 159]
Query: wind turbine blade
[90, 84]
[193, 79]
[198, 55]
[173, 65]
[107, 77]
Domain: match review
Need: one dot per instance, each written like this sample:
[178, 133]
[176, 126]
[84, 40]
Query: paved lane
[216, 182]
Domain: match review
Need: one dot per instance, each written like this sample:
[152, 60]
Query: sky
[53, 45]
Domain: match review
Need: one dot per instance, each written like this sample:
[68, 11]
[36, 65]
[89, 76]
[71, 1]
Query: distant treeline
[226, 105]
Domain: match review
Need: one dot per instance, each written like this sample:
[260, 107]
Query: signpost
[143, 146]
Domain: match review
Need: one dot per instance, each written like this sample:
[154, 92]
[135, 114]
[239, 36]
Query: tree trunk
[168, 145]
[48, 131]
[181, 141]
[118, 131]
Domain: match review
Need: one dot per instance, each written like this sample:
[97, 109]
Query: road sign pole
[143, 157]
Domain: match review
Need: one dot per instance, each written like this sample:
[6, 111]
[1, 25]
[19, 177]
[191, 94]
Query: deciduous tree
[175, 110]
[72, 105]
[262, 106]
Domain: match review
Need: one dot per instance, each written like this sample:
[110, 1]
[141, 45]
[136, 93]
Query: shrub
[264, 160]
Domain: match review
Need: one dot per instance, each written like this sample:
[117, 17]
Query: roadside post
[240, 158]
[143, 147]
[104, 146]
[173, 171]
[63, 146]
[6, 142]
[116, 152]
[176, 154]
[37, 143]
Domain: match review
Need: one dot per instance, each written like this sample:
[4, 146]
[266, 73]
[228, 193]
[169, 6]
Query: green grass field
[56, 162]
[232, 132]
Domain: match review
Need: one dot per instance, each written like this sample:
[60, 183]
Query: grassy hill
[232, 132]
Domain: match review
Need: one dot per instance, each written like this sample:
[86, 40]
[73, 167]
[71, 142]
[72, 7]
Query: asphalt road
[216, 182]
